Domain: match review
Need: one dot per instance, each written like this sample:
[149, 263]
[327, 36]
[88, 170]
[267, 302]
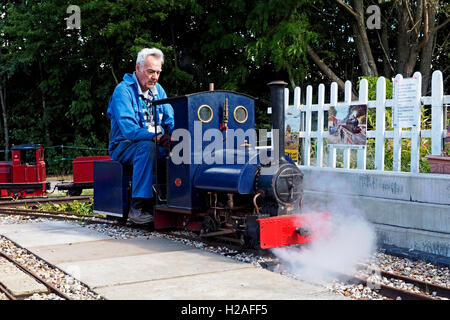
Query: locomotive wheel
[208, 225]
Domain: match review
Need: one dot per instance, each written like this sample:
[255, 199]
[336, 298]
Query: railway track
[368, 275]
[60, 216]
[10, 208]
[29, 282]
[37, 201]
[423, 290]
[428, 291]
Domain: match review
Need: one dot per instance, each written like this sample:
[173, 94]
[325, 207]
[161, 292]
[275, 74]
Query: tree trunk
[44, 107]
[426, 54]
[327, 71]
[114, 74]
[291, 76]
[402, 39]
[5, 119]
[425, 63]
[387, 67]
[361, 52]
[360, 31]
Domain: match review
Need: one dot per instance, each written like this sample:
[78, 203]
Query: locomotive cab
[205, 124]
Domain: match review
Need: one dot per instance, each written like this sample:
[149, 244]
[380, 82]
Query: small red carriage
[83, 175]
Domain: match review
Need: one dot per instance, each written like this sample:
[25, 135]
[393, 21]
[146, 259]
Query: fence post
[380, 124]
[348, 101]
[437, 112]
[296, 107]
[307, 148]
[397, 150]
[333, 103]
[363, 99]
[415, 130]
[320, 120]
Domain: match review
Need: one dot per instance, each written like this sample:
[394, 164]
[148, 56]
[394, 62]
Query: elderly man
[136, 126]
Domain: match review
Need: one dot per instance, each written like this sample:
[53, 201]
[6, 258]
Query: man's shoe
[139, 216]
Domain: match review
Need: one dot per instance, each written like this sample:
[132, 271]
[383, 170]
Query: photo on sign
[347, 125]
[291, 143]
[292, 133]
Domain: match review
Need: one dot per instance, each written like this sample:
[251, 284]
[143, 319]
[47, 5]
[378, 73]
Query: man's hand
[163, 140]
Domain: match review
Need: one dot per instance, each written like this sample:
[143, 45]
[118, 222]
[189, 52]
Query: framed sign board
[347, 125]
[407, 102]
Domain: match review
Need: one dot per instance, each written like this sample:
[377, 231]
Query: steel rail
[58, 215]
[7, 293]
[425, 286]
[383, 289]
[390, 291]
[52, 215]
[35, 276]
[21, 202]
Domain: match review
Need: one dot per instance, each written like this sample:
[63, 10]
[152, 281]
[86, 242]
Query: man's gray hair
[144, 53]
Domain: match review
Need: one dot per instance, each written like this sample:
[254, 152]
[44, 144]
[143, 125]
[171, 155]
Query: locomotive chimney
[277, 103]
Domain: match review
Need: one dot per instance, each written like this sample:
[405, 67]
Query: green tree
[407, 41]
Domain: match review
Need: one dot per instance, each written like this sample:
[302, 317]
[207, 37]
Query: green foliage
[82, 208]
[446, 151]
[59, 81]
[372, 87]
[280, 33]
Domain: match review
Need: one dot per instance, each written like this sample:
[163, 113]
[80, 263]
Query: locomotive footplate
[279, 231]
[35, 189]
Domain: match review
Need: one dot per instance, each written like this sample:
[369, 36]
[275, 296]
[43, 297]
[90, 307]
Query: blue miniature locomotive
[215, 180]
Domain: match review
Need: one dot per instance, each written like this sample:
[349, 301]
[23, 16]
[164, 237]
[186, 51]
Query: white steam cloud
[352, 240]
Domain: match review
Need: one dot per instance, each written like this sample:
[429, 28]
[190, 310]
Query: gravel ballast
[76, 290]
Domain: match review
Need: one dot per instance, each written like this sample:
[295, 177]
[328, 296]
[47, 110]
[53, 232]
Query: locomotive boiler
[215, 180]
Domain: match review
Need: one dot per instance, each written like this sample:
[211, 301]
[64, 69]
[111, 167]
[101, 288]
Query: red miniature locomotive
[25, 175]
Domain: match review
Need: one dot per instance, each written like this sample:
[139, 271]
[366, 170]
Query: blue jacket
[127, 119]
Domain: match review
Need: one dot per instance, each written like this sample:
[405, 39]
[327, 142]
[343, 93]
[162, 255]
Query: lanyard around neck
[145, 105]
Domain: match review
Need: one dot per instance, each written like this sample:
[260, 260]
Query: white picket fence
[437, 100]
